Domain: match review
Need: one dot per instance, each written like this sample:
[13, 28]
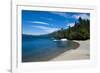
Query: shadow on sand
[55, 53]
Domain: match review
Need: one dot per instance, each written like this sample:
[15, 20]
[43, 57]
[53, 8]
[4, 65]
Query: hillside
[80, 31]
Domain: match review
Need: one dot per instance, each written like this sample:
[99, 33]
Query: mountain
[37, 36]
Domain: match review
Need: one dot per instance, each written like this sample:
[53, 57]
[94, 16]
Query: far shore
[80, 53]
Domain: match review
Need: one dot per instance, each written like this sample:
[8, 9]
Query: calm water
[42, 48]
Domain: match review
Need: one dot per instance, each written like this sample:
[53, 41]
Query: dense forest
[80, 31]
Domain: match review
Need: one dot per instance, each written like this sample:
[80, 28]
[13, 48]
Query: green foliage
[80, 31]
[59, 34]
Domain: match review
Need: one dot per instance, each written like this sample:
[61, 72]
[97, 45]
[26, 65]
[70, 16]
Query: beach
[80, 53]
[56, 51]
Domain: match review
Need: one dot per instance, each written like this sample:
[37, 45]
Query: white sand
[82, 52]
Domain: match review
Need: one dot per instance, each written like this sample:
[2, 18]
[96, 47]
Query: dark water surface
[43, 48]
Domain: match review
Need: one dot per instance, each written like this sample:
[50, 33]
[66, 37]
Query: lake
[39, 48]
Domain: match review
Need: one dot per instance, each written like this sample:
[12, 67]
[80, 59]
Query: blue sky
[45, 22]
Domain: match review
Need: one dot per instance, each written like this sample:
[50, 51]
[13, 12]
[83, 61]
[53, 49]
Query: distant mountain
[37, 36]
[80, 31]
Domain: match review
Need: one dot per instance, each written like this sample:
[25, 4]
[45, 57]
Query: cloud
[45, 18]
[59, 13]
[46, 29]
[39, 22]
[83, 16]
[70, 24]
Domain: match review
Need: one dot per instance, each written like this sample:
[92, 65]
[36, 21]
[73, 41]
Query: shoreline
[53, 54]
[80, 53]
[78, 50]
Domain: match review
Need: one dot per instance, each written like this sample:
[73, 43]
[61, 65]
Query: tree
[80, 31]
[59, 34]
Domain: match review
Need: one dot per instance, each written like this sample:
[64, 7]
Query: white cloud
[70, 24]
[39, 22]
[59, 13]
[83, 16]
[49, 19]
[46, 29]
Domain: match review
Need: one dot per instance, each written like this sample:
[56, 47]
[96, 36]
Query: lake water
[42, 48]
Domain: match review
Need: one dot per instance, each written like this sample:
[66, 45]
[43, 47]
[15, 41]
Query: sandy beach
[76, 50]
[80, 53]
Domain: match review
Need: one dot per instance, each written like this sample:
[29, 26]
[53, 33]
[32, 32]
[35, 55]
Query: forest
[80, 31]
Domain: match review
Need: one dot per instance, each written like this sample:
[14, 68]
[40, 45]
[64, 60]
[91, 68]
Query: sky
[45, 22]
